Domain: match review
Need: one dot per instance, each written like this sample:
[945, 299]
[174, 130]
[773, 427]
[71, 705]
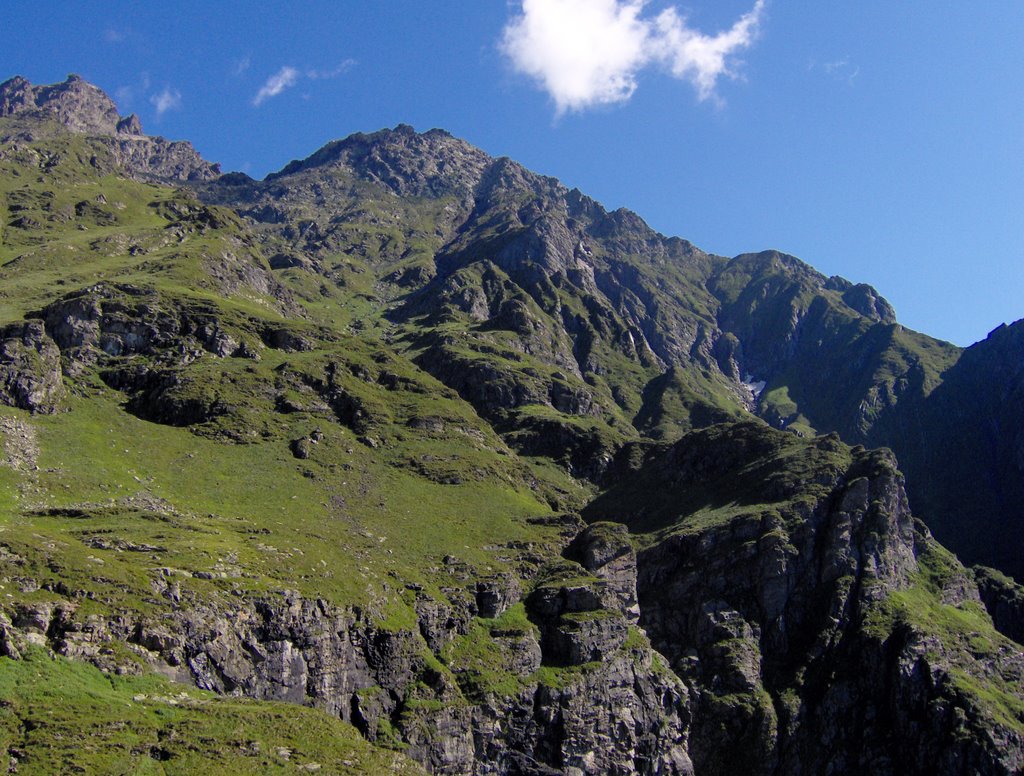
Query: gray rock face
[122, 320]
[154, 158]
[605, 550]
[130, 125]
[432, 164]
[75, 103]
[1004, 600]
[85, 109]
[30, 371]
[622, 714]
[765, 617]
[589, 696]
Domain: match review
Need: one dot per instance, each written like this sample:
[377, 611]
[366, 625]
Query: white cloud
[168, 99]
[323, 75]
[591, 52]
[241, 66]
[283, 79]
[583, 52]
[842, 69]
[700, 58]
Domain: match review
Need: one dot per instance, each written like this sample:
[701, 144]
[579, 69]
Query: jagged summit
[75, 103]
[83, 108]
[433, 163]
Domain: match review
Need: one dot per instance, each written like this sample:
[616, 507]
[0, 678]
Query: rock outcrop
[30, 369]
[607, 705]
[1004, 600]
[805, 624]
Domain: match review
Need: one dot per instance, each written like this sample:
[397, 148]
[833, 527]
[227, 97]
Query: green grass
[777, 405]
[89, 228]
[479, 661]
[681, 400]
[59, 716]
[724, 473]
[969, 642]
[332, 526]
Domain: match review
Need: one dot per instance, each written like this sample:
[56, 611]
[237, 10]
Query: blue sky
[878, 140]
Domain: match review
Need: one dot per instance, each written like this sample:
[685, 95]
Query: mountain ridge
[807, 306]
[812, 340]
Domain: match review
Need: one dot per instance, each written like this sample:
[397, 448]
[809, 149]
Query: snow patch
[756, 387]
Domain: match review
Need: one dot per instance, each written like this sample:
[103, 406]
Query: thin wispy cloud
[586, 53]
[124, 96]
[324, 75]
[283, 79]
[288, 76]
[113, 36]
[165, 100]
[842, 69]
[241, 66]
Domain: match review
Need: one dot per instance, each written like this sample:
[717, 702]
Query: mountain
[490, 479]
[525, 297]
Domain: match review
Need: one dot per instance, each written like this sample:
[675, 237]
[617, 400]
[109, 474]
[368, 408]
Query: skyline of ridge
[881, 145]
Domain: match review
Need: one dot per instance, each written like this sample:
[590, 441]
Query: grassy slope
[717, 474]
[98, 503]
[59, 716]
[346, 494]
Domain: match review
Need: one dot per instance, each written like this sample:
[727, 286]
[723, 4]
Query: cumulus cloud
[591, 52]
[283, 79]
[583, 52]
[168, 99]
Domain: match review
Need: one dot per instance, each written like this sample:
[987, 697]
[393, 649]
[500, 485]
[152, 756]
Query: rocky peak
[432, 164]
[15, 93]
[863, 298]
[84, 108]
[75, 103]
